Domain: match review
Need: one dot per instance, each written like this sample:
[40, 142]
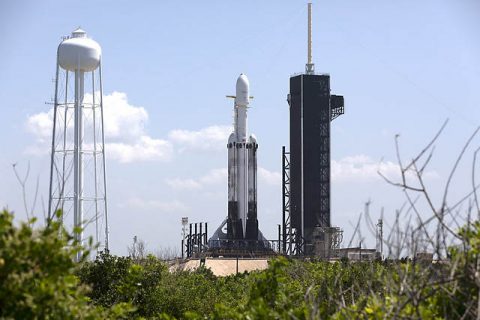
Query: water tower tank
[79, 53]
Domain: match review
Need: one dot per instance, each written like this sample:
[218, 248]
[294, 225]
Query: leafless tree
[167, 253]
[138, 249]
[423, 228]
[29, 210]
[433, 227]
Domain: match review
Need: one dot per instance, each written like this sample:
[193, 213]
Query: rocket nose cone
[242, 88]
[242, 83]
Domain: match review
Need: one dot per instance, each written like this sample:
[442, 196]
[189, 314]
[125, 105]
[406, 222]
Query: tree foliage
[37, 275]
[39, 279]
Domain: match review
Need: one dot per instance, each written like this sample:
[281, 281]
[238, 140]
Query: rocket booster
[242, 220]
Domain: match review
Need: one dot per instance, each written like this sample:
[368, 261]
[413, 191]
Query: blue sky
[402, 68]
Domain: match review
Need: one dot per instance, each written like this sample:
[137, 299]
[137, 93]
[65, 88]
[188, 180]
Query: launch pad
[221, 245]
[306, 229]
[240, 248]
[195, 244]
[222, 267]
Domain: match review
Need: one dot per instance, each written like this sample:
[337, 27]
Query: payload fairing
[242, 220]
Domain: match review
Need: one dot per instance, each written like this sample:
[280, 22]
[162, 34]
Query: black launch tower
[312, 108]
[306, 168]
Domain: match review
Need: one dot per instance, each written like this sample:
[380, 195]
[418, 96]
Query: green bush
[37, 277]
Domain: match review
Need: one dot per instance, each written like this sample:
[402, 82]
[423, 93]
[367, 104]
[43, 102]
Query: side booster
[242, 220]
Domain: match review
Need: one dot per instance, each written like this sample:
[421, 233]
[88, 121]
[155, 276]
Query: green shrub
[37, 275]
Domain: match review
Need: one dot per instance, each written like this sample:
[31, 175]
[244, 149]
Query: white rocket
[242, 220]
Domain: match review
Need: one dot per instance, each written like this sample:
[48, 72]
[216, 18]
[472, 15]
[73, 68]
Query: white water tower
[77, 173]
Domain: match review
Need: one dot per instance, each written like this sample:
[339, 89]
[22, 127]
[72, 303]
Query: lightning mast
[309, 67]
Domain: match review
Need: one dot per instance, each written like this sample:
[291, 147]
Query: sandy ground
[223, 266]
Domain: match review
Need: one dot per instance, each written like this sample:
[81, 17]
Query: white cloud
[271, 178]
[219, 176]
[174, 206]
[40, 125]
[38, 149]
[213, 177]
[359, 168]
[122, 120]
[211, 138]
[183, 184]
[362, 167]
[144, 149]
[125, 135]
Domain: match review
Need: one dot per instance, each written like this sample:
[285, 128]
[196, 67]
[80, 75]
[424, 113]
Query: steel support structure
[196, 241]
[78, 184]
[291, 241]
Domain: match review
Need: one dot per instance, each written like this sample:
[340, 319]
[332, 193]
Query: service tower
[312, 108]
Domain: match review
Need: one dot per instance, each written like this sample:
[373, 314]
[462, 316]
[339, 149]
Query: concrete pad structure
[222, 267]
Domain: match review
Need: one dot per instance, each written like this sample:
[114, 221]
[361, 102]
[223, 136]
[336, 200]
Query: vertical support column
[182, 249]
[51, 212]
[289, 241]
[284, 221]
[279, 238]
[195, 237]
[206, 233]
[200, 238]
[78, 157]
[189, 243]
[103, 160]
[94, 106]
[64, 155]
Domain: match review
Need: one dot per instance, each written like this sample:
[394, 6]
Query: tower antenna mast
[309, 67]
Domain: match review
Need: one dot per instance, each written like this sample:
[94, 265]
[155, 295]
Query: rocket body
[242, 220]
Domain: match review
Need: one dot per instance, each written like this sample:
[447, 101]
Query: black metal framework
[337, 106]
[197, 245]
[286, 225]
[242, 248]
[292, 243]
[196, 240]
